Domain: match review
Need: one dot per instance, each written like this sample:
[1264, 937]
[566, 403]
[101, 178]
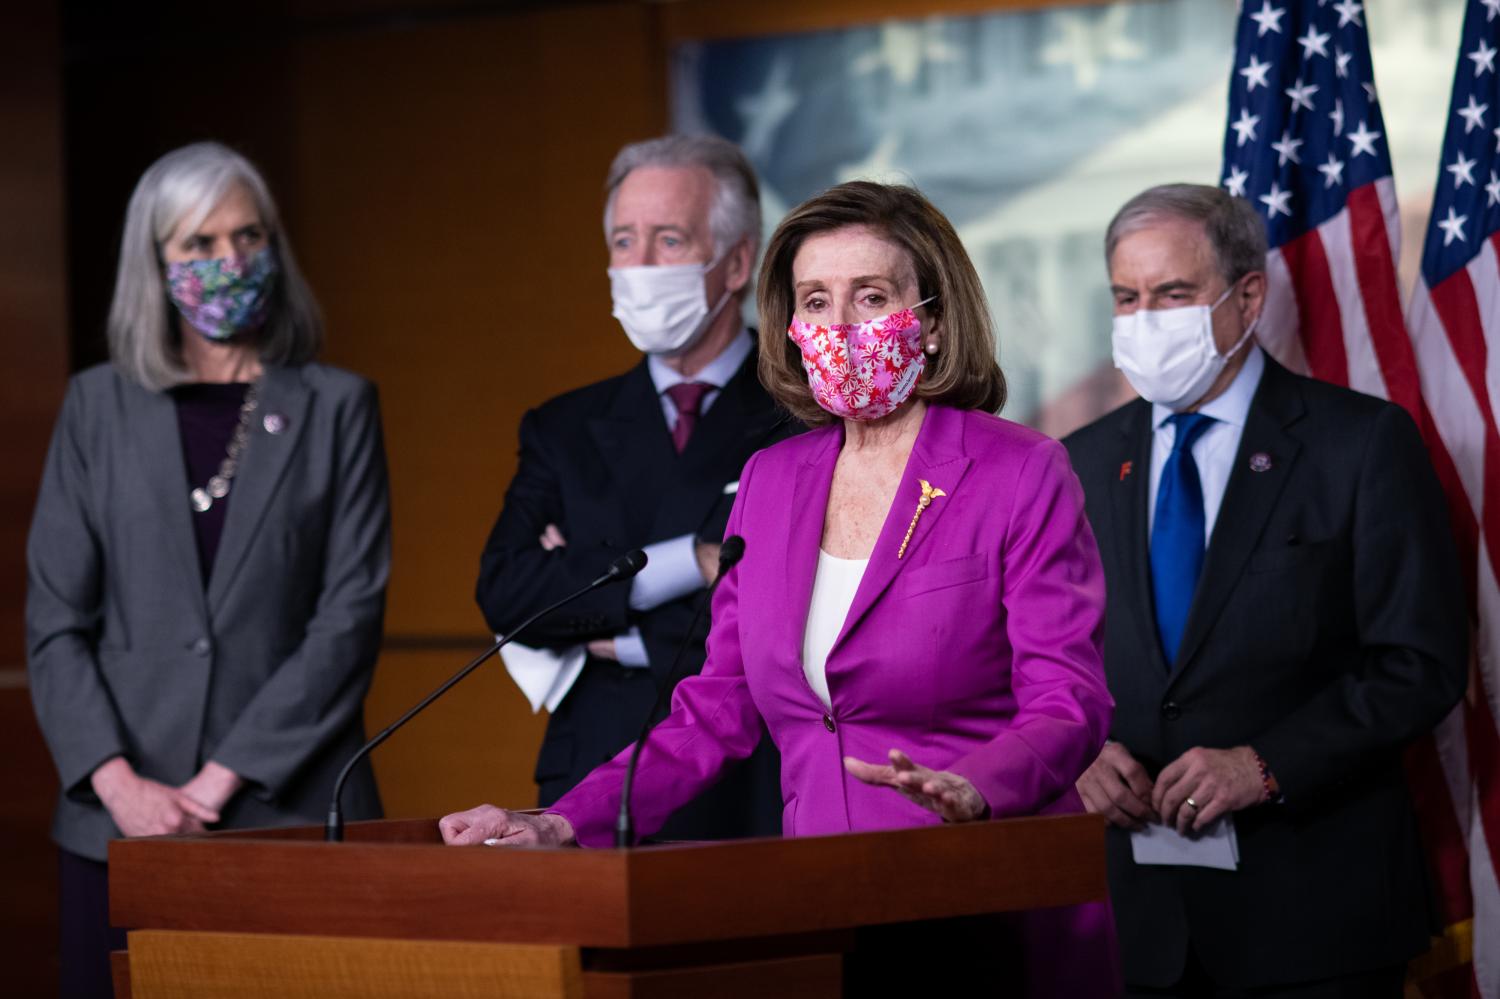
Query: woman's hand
[213, 786]
[948, 794]
[144, 807]
[498, 827]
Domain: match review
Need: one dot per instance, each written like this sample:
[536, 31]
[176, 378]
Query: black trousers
[1381, 983]
[86, 936]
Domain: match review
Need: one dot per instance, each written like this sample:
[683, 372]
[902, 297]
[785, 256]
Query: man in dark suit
[648, 459]
[1285, 615]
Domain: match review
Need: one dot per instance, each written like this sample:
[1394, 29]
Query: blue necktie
[1177, 533]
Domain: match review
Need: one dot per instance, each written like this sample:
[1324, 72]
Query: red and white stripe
[1455, 328]
[1333, 311]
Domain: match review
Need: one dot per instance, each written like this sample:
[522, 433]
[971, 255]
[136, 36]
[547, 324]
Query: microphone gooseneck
[620, 569]
[730, 553]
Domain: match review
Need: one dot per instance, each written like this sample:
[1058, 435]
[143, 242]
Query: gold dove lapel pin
[929, 493]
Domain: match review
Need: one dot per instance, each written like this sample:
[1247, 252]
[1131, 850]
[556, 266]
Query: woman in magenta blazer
[918, 616]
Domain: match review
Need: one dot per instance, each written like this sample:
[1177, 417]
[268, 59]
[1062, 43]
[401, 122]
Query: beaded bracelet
[1267, 793]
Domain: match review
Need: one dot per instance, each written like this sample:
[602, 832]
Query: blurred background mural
[1028, 129]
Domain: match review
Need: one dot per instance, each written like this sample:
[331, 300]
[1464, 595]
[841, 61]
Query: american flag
[1455, 322]
[1306, 144]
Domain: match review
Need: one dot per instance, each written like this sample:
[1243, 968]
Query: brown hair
[964, 374]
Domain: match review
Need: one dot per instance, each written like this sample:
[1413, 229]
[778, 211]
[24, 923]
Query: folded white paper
[1215, 846]
[544, 676]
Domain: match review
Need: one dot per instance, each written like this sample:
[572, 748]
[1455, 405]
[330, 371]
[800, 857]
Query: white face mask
[664, 307]
[1168, 355]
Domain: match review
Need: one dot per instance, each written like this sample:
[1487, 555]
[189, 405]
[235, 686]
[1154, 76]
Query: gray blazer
[264, 670]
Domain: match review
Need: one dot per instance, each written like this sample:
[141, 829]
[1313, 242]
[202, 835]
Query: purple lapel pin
[1260, 462]
[274, 423]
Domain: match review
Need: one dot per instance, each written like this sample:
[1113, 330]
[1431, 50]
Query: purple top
[207, 414]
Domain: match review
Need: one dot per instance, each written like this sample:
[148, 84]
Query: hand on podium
[491, 826]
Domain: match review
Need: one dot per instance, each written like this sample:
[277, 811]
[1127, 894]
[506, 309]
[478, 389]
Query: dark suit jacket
[264, 670]
[1327, 632]
[599, 463]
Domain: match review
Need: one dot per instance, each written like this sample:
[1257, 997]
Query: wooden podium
[393, 912]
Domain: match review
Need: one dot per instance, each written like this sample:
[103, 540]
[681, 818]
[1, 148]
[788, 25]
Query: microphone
[619, 570]
[730, 553]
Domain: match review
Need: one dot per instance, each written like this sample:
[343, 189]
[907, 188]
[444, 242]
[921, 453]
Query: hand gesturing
[948, 794]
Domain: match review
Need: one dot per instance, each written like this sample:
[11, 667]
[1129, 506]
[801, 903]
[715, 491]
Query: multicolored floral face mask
[862, 371]
[223, 296]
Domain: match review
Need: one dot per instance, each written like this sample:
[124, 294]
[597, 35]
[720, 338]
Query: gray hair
[180, 190]
[735, 212]
[1234, 227]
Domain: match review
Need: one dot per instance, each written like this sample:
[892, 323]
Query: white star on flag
[1337, 114]
[1453, 227]
[1269, 18]
[1363, 140]
[1333, 171]
[1493, 6]
[1235, 182]
[1286, 149]
[1276, 201]
[1255, 74]
[1341, 61]
[1493, 189]
[1484, 58]
[1301, 94]
[1473, 114]
[1370, 89]
[1245, 127]
[1313, 43]
[1462, 170]
[1348, 13]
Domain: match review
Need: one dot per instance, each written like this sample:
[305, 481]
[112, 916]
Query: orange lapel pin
[929, 493]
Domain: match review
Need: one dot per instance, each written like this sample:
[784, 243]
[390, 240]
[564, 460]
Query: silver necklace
[203, 497]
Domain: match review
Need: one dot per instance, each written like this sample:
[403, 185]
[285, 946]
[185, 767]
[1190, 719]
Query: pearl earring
[932, 347]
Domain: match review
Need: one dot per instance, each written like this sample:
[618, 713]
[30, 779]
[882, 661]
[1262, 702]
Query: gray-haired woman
[209, 552]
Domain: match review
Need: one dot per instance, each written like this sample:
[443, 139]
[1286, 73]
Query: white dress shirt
[833, 591]
[1216, 446]
[672, 565]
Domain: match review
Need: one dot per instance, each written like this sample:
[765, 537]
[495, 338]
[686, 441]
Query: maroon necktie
[688, 398]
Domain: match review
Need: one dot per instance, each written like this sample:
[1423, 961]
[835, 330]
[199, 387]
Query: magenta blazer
[978, 651]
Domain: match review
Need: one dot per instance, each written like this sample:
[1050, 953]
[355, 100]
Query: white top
[1216, 446]
[833, 592]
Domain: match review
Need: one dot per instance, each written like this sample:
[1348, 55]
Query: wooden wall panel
[33, 299]
[450, 180]
[477, 744]
[33, 332]
[450, 187]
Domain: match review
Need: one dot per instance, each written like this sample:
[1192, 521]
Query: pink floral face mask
[862, 371]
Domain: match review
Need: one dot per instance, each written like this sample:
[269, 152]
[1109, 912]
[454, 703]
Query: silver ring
[496, 842]
[1191, 802]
